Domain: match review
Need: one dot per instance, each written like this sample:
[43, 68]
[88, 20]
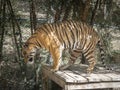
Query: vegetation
[19, 18]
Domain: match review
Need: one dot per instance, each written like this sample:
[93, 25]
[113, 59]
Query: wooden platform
[75, 78]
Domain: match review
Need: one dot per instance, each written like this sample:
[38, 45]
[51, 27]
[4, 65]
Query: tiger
[77, 36]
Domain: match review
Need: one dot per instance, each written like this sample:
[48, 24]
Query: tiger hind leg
[91, 60]
[74, 54]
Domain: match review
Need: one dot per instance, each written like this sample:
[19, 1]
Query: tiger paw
[89, 71]
[53, 70]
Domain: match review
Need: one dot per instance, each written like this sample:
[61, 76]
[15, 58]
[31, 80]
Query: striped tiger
[76, 36]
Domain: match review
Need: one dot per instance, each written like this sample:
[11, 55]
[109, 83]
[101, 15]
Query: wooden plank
[65, 77]
[93, 86]
[78, 78]
[104, 78]
[79, 69]
[98, 76]
[113, 76]
[92, 77]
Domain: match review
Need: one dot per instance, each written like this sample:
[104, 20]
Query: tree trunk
[13, 20]
[1, 6]
[58, 13]
[33, 20]
[94, 12]
[2, 25]
[67, 12]
[86, 10]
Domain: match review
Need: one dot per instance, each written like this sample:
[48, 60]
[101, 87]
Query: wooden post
[45, 81]
[55, 86]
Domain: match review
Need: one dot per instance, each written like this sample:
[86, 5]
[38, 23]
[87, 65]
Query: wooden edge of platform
[93, 85]
[47, 73]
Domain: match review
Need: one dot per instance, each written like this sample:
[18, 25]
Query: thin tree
[67, 9]
[14, 22]
[2, 25]
[33, 24]
[94, 12]
[85, 13]
[33, 20]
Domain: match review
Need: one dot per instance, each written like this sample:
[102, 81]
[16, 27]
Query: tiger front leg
[56, 55]
[56, 64]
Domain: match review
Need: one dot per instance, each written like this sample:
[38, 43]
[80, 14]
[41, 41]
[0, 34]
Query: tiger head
[28, 53]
